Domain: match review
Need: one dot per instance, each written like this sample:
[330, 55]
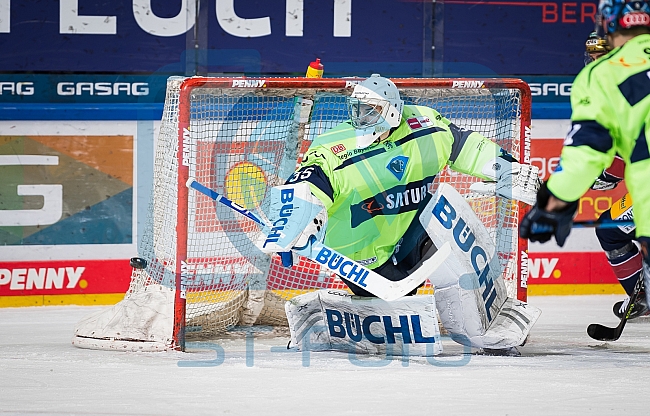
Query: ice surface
[561, 372]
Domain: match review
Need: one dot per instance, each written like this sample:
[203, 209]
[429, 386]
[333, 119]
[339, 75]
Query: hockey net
[240, 137]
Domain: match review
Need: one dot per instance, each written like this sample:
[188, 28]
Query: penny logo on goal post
[187, 143]
[527, 136]
[249, 83]
[467, 84]
[524, 269]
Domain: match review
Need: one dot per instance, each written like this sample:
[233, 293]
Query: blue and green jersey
[610, 101]
[374, 195]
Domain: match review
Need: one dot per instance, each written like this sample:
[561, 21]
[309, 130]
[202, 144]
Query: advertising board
[393, 37]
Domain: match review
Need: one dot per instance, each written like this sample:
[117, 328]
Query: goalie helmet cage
[240, 136]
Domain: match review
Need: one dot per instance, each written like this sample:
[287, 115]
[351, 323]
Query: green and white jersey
[374, 195]
[610, 101]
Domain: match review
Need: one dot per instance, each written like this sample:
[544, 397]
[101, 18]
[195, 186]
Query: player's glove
[540, 225]
[601, 185]
[513, 180]
[297, 221]
[611, 176]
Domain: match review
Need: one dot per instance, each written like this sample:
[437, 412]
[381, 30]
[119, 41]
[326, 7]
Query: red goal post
[241, 136]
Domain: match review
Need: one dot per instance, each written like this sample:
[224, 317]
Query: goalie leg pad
[469, 289]
[459, 315]
[334, 320]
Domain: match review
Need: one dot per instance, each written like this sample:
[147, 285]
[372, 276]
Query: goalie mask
[375, 107]
[615, 15]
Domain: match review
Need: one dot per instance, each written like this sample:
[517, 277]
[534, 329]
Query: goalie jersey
[374, 195]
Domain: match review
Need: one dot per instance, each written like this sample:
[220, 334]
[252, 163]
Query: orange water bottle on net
[315, 69]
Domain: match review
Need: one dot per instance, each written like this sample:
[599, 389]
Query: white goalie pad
[470, 292]
[141, 322]
[459, 315]
[334, 320]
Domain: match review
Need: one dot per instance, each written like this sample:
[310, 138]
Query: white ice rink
[561, 372]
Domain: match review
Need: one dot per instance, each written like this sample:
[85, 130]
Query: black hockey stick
[602, 224]
[605, 333]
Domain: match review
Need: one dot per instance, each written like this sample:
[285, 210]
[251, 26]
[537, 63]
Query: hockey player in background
[618, 243]
[595, 47]
[622, 253]
[610, 115]
[373, 176]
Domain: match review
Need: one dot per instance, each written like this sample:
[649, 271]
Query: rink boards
[56, 268]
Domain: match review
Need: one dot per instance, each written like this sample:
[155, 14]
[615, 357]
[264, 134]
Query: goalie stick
[347, 268]
[605, 333]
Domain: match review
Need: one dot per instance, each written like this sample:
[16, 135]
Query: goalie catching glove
[512, 180]
[296, 220]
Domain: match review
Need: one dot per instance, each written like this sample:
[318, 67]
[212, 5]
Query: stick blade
[603, 333]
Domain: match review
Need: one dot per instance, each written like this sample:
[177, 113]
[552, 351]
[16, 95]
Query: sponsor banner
[71, 88]
[71, 277]
[551, 42]
[135, 36]
[130, 36]
[66, 189]
[67, 277]
[562, 268]
[89, 88]
[550, 89]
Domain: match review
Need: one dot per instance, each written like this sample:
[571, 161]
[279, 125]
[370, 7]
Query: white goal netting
[242, 136]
